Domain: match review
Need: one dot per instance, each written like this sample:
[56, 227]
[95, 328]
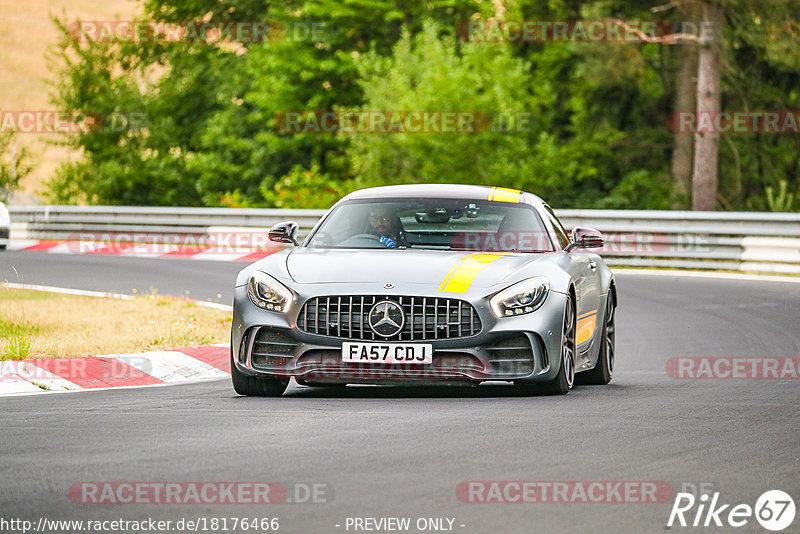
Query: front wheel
[565, 379]
[604, 368]
[254, 386]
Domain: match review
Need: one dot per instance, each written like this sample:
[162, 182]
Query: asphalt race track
[391, 452]
[202, 280]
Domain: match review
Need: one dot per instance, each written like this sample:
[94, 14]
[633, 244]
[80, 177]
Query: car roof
[468, 192]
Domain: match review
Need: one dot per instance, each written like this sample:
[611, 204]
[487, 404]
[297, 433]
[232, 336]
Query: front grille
[426, 318]
[272, 346]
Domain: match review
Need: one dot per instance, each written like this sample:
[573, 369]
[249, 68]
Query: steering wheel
[362, 240]
[367, 236]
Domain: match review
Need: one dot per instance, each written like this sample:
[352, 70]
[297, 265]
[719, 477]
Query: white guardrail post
[746, 241]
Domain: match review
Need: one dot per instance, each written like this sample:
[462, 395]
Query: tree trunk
[706, 143]
[685, 97]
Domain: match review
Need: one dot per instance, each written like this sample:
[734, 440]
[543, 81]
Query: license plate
[387, 353]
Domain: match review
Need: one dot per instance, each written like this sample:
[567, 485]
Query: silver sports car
[427, 284]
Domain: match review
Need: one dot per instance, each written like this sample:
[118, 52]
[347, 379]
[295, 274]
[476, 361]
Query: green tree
[429, 73]
[243, 150]
[560, 146]
[151, 100]
[589, 119]
[14, 164]
[762, 50]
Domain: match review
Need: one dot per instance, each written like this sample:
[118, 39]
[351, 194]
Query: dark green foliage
[595, 128]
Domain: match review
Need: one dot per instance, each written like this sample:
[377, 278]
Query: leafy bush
[14, 164]
[302, 188]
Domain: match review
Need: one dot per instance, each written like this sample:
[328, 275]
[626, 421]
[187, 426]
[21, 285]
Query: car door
[583, 266]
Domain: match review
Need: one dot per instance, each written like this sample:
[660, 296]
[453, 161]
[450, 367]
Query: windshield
[442, 224]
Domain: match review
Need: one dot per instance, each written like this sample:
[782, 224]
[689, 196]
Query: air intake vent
[511, 355]
[272, 346]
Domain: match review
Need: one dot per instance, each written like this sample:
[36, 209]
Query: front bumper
[522, 348]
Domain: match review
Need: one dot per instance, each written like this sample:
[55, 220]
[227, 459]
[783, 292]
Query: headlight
[521, 298]
[268, 293]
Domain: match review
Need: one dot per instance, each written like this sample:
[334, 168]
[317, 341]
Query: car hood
[481, 269]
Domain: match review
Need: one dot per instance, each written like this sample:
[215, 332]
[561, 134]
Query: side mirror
[285, 232]
[585, 238]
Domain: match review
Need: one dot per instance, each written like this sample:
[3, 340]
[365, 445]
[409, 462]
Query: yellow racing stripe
[460, 277]
[501, 194]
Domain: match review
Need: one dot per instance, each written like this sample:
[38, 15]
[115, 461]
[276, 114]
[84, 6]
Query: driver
[385, 225]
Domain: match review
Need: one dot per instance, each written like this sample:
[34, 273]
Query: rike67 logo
[774, 510]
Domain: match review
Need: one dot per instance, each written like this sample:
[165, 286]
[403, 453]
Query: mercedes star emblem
[386, 318]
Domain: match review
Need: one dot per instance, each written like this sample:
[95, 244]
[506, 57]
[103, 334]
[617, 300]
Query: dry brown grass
[63, 326]
[26, 31]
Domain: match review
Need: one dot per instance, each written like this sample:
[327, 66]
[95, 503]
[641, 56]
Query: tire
[254, 386]
[604, 369]
[565, 379]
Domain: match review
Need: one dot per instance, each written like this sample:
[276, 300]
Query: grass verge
[36, 324]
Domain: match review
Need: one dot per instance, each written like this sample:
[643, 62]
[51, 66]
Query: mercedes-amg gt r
[427, 284]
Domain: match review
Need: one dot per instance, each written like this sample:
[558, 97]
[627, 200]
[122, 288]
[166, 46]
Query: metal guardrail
[60, 222]
[747, 241]
[744, 241]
